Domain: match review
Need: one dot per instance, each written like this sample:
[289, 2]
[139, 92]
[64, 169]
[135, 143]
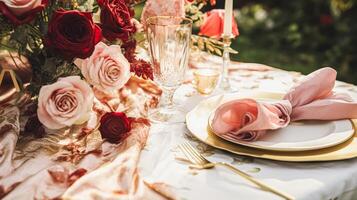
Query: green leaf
[95, 9]
[209, 47]
[218, 51]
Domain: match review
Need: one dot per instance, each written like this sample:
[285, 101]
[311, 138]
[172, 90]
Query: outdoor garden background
[299, 35]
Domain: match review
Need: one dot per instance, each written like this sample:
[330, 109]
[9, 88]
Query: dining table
[161, 161]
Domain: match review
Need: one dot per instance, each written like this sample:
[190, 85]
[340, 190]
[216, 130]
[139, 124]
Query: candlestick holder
[224, 80]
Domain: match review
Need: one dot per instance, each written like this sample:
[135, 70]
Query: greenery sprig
[211, 45]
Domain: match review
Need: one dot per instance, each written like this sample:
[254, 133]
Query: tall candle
[228, 14]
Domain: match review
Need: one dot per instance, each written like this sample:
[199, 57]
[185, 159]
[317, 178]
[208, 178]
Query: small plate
[197, 124]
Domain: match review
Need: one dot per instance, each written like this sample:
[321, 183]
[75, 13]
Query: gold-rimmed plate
[298, 136]
[197, 123]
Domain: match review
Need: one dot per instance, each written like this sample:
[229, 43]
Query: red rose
[115, 18]
[216, 17]
[115, 126]
[72, 34]
[21, 12]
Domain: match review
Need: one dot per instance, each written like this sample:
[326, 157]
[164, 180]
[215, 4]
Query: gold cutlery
[201, 162]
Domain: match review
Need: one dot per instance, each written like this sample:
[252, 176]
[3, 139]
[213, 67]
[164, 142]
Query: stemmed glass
[169, 44]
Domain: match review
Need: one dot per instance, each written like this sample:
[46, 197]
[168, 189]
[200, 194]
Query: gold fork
[201, 162]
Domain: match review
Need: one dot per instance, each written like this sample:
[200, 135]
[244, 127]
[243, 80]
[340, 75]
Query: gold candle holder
[205, 80]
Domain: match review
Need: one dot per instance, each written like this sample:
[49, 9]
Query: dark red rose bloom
[115, 18]
[326, 20]
[130, 4]
[72, 34]
[21, 14]
[115, 126]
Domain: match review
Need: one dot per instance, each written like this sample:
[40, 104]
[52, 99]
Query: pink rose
[106, 69]
[162, 8]
[64, 103]
[214, 22]
[21, 11]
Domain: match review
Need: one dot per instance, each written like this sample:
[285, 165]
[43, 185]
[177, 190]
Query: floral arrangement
[90, 94]
[67, 40]
[82, 51]
[53, 34]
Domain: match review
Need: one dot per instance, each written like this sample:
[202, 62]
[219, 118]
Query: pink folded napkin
[311, 99]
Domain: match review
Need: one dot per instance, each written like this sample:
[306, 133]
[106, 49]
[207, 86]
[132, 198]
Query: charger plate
[197, 123]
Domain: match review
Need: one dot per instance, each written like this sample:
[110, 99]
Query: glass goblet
[169, 45]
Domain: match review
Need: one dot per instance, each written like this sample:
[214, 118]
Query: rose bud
[72, 34]
[115, 127]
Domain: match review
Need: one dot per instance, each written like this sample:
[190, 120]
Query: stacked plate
[298, 142]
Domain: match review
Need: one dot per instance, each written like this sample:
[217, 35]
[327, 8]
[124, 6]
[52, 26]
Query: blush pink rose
[213, 24]
[162, 8]
[106, 69]
[64, 103]
[21, 11]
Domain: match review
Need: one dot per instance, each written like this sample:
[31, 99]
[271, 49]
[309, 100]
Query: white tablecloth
[305, 181]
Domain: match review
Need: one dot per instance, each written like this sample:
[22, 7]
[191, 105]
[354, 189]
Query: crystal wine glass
[169, 44]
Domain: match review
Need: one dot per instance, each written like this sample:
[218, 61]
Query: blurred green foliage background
[299, 35]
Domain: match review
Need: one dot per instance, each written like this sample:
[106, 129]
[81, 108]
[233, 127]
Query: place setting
[171, 100]
[220, 121]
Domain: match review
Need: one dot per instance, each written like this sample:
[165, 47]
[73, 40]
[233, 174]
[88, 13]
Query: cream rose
[106, 69]
[64, 103]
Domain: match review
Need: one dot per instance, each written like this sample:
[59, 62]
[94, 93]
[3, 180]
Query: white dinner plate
[297, 136]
